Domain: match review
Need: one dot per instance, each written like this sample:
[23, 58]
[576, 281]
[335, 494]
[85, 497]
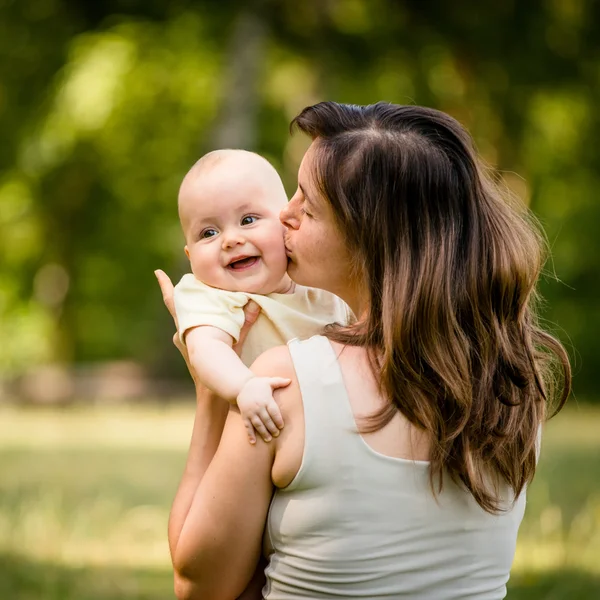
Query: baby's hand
[258, 408]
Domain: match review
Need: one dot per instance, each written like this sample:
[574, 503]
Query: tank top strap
[330, 432]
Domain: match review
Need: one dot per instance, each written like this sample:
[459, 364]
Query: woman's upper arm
[221, 539]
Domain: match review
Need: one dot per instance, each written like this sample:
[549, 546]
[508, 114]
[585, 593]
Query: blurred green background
[105, 105]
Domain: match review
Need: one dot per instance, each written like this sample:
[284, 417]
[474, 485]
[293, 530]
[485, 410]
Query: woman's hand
[251, 312]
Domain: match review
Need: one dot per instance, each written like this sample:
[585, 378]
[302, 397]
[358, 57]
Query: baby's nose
[232, 239]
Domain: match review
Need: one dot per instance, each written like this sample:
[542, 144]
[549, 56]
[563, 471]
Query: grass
[559, 541]
[85, 495]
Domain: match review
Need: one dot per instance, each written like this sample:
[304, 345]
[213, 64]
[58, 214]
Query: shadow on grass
[24, 579]
[559, 585]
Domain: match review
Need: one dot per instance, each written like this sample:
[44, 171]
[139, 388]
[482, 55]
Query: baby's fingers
[265, 416]
[279, 382]
[275, 415]
[260, 428]
[250, 430]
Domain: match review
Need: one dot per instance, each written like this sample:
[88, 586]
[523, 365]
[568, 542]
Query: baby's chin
[261, 288]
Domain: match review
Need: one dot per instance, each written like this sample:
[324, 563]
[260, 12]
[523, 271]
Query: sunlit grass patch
[85, 495]
[100, 531]
[547, 544]
[88, 507]
[153, 426]
[91, 486]
[561, 530]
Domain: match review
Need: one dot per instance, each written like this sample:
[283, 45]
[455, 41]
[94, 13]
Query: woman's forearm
[211, 412]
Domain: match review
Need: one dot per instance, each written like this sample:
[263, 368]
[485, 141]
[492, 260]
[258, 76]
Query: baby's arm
[221, 370]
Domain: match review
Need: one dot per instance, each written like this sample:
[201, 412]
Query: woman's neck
[356, 300]
[286, 286]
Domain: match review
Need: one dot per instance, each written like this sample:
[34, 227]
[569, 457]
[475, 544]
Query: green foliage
[103, 109]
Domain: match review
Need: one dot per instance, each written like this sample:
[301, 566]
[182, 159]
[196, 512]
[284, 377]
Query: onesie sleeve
[198, 304]
[346, 315]
[341, 312]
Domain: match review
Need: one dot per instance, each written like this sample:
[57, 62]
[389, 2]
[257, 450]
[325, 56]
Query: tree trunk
[235, 126]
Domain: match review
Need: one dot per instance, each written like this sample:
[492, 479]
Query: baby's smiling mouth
[239, 263]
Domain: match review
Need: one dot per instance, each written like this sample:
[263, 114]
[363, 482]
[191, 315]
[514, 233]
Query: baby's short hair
[215, 157]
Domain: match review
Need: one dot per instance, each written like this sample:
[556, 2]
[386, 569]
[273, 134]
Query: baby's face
[234, 238]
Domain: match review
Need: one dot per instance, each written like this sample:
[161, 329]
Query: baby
[229, 205]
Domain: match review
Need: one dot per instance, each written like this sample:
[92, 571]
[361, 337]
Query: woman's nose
[288, 216]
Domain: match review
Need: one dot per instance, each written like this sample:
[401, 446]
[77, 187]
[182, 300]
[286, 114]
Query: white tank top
[358, 524]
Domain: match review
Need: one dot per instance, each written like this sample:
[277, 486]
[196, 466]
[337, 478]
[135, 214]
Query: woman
[411, 435]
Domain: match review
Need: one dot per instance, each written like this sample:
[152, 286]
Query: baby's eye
[248, 220]
[208, 233]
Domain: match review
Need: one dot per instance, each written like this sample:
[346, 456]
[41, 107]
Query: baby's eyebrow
[247, 206]
[241, 209]
[204, 220]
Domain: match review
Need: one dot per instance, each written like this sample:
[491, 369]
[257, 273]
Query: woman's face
[317, 254]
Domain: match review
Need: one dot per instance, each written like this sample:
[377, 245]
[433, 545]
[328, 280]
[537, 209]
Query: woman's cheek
[315, 245]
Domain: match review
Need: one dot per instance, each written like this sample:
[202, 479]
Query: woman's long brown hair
[451, 264]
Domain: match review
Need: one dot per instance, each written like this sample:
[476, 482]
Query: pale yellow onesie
[283, 317]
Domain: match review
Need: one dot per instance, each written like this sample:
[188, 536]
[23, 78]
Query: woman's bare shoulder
[277, 362]
[289, 445]
[274, 362]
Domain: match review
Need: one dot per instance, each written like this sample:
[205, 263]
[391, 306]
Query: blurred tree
[104, 106]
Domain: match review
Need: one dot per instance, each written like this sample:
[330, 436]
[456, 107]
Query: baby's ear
[187, 252]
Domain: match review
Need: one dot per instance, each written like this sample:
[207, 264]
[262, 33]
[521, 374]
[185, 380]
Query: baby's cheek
[276, 244]
[207, 268]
